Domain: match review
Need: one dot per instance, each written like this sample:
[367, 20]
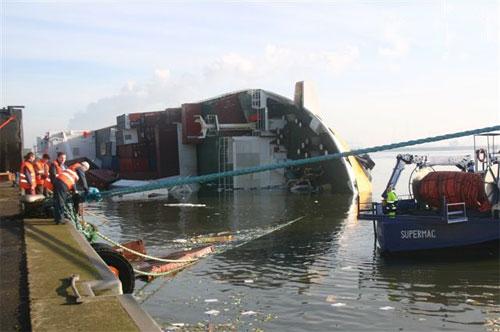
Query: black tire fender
[101, 245]
[125, 270]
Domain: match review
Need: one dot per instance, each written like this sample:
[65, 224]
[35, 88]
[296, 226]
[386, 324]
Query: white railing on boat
[455, 215]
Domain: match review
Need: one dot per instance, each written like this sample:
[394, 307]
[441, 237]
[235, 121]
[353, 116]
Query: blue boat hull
[411, 234]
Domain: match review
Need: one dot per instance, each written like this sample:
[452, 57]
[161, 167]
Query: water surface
[318, 274]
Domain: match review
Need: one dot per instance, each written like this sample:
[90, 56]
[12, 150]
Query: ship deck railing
[409, 211]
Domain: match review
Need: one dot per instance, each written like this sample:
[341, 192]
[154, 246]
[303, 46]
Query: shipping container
[208, 156]
[134, 165]
[227, 108]
[190, 129]
[167, 150]
[106, 146]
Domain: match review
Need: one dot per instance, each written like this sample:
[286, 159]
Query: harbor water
[320, 273]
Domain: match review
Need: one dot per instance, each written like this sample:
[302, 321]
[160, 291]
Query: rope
[103, 219]
[262, 235]
[161, 274]
[90, 232]
[289, 163]
[165, 260]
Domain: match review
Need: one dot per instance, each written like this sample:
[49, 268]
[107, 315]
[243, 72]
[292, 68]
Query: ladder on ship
[224, 183]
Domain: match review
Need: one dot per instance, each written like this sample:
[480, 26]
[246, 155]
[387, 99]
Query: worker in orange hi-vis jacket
[27, 174]
[42, 173]
[65, 184]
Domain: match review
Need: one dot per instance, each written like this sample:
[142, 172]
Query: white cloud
[162, 74]
[395, 44]
[279, 56]
[237, 62]
[342, 60]
[229, 72]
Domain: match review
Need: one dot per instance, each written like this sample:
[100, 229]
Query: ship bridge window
[76, 152]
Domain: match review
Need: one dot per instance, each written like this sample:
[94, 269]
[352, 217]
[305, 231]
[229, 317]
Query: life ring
[481, 155]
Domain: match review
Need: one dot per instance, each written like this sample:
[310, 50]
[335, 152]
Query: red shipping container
[190, 129]
[228, 109]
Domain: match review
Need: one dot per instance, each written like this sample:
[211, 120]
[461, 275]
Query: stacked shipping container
[147, 146]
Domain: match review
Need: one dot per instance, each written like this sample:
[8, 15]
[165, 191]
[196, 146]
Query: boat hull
[399, 235]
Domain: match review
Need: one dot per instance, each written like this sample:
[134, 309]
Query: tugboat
[445, 209]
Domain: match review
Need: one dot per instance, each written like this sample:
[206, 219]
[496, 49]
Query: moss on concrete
[106, 314]
[53, 255]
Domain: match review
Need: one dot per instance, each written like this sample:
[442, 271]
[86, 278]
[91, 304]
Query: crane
[465, 163]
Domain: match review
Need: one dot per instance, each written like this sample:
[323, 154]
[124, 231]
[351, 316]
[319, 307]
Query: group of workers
[40, 176]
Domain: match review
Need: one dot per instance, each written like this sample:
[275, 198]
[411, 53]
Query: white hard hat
[85, 165]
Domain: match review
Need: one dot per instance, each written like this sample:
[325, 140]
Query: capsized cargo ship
[238, 130]
[446, 209]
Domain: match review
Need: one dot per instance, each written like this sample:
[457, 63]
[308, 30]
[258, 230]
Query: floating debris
[248, 281]
[248, 313]
[386, 308]
[211, 300]
[212, 239]
[339, 304]
[331, 298]
[347, 268]
[212, 312]
[184, 205]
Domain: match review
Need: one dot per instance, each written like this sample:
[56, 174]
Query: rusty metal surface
[11, 139]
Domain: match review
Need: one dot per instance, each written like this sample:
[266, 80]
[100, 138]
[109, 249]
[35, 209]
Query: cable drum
[455, 187]
[416, 176]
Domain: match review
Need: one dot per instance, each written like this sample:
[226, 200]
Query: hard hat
[85, 165]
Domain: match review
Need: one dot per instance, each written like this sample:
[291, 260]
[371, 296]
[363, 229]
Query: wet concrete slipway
[318, 274]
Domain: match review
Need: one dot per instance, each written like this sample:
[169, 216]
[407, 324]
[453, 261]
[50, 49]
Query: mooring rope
[158, 184]
[192, 260]
[162, 274]
[165, 260]
[90, 232]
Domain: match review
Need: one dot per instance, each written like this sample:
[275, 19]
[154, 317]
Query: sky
[384, 71]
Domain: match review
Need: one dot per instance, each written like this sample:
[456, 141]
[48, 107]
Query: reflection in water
[290, 252]
[435, 287]
[320, 273]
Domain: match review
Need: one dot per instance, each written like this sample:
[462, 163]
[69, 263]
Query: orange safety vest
[58, 167]
[68, 177]
[74, 166]
[47, 183]
[23, 181]
[40, 171]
